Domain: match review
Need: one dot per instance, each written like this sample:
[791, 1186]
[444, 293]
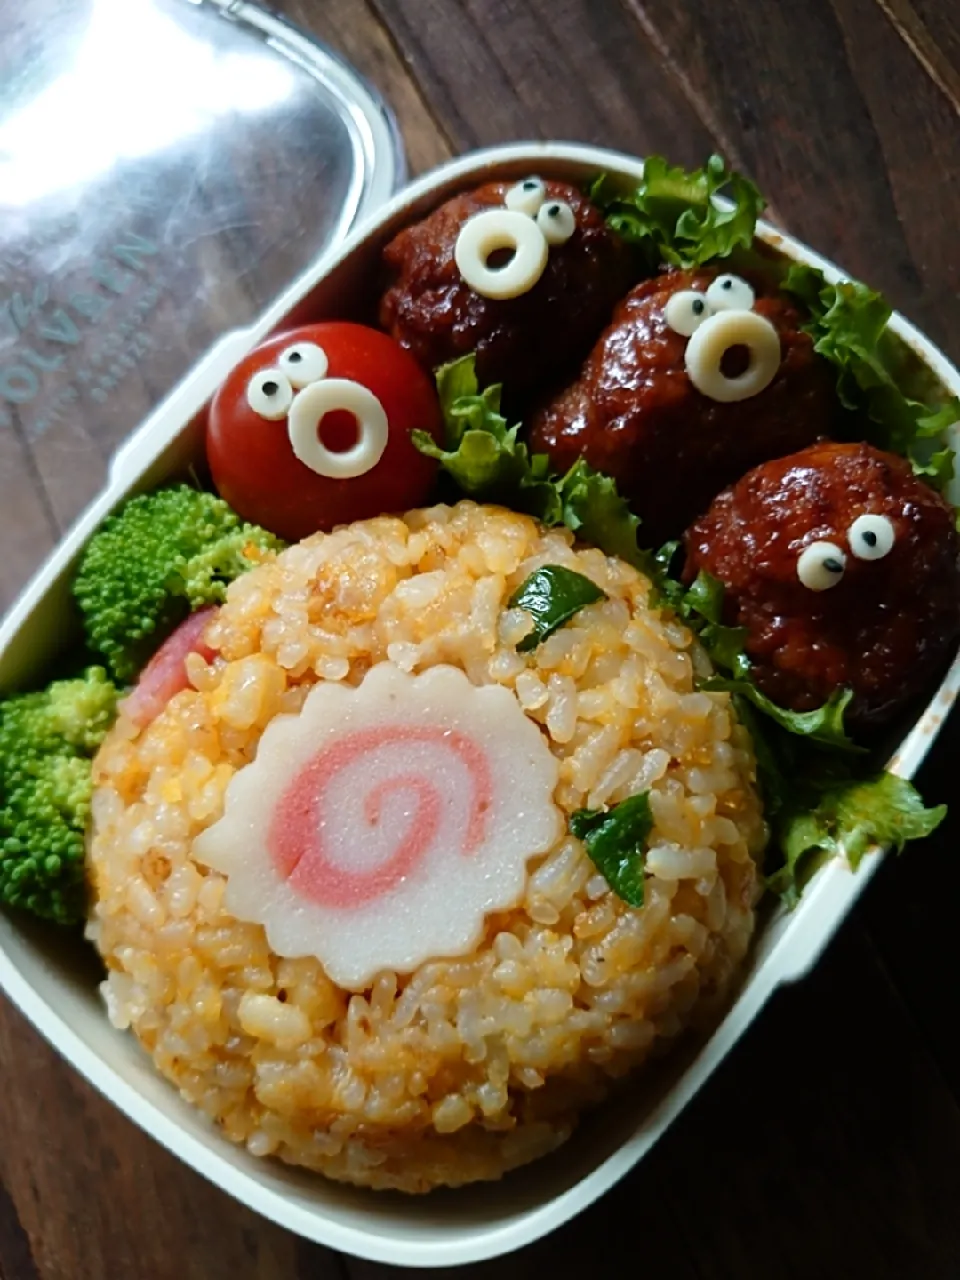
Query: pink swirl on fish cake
[296, 834]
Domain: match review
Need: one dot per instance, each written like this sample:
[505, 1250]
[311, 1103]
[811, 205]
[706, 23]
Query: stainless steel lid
[167, 167]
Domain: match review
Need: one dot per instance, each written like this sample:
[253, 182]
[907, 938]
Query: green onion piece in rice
[616, 841]
[551, 596]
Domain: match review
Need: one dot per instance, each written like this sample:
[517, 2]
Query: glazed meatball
[527, 342]
[843, 568]
[635, 413]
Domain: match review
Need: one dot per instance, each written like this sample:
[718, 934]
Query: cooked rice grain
[472, 1065]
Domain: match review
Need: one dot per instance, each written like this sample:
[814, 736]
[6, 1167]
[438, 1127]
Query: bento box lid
[167, 169]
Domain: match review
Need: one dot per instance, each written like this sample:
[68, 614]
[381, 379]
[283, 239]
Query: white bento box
[56, 989]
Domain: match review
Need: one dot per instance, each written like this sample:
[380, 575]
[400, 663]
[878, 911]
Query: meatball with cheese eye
[843, 568]
[699, 377]
[526, 274]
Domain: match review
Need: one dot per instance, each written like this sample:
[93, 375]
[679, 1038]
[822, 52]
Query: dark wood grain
[829, 1144]
[83, 1194]
[911, 912]
[636, 1209]
[87, 1196]
[350, 27]
[844, 130]
[918, 129]
[932, 32]
[29, 527]
[495, 70]
[16, 1257]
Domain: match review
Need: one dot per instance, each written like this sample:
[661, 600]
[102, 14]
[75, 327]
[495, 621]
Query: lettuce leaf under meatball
[849, 326]
[700, 606]
[487, 460]
[481, 452]
[821, 807]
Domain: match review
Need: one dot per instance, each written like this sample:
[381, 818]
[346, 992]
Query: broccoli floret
[47, 741]
[157, 559]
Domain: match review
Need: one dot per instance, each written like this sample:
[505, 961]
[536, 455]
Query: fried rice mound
[472, 1065]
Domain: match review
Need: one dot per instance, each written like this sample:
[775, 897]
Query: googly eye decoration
[821, 566]
[330, 395]
[479, 239]
[686, 311]
[304, 363]
[716, 336]
[557, 222]
[730, 293]
[527, 228]
[871, 537]
[270, 394]
[526, 197]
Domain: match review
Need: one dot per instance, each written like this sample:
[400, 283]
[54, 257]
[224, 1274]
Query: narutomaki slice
[378, 827]
[166, 673]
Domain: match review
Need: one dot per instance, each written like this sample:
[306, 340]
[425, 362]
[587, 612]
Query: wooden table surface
[828, 1146]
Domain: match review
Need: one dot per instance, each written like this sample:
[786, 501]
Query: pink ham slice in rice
[166, 673]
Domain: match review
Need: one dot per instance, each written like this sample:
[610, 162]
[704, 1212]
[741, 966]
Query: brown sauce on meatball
[885, 624]
[528, 343]
[635, 414]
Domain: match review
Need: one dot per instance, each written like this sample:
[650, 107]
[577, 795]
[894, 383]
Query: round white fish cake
[463, 1065]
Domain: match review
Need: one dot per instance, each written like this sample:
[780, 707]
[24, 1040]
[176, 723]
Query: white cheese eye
[821, 566]
[720, 334]
[304, 363]
[269, 394]
[526, 197]
[686, 311]
[871, 537]
[500, 229]
[557, 221]
[731, 293]
[332, 395]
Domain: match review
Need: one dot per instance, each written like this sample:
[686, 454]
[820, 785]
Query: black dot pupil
[698, 306]
[270, 388]
[553, 210]
[870, 538]
[727, 284]
[531, 184]
[832, 565]
[294, 357]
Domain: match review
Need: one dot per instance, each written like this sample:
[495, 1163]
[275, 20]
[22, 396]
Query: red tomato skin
[253, 465]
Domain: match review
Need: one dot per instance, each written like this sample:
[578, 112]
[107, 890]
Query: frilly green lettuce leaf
[823, 725]
[592, 508]
[848, 324]
[481, 453]
[487, 460]
[846, 820]
[672, 213]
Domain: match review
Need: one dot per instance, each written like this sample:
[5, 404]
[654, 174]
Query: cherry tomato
[313, 429]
